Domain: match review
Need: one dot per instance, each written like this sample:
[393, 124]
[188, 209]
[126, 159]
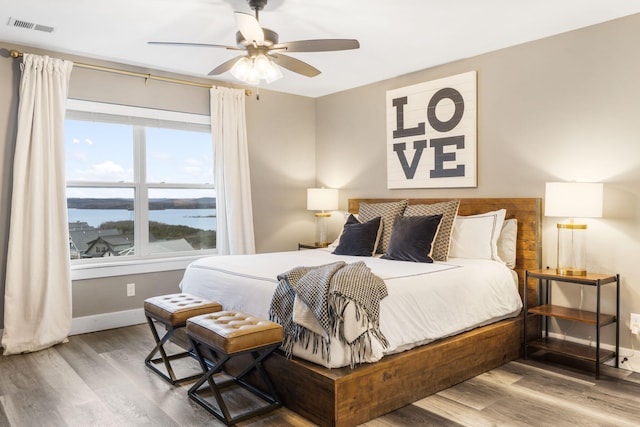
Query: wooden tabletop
[589, 278]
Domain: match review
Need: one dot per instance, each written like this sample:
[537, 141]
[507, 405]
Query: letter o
[458, 102]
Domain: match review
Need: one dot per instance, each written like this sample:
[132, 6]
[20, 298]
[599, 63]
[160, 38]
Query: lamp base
[321, 229]
[572, 240]
[570, 271]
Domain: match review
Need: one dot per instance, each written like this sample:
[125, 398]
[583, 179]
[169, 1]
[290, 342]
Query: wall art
[431, 134]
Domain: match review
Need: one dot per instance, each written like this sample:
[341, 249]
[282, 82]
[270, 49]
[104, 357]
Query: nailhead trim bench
[172, 311]
[219, 337]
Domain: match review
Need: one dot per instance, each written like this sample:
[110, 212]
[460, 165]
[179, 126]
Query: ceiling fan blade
[194, 45]
[322, 45]
[295, 65]
[225, 66]
[250, 28]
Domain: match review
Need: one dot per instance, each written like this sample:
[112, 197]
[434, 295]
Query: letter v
[418, 146]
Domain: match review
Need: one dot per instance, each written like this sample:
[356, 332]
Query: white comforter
[426, 302]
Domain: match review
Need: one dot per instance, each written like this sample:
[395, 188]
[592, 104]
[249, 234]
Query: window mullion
[141, 193]
[184, 186]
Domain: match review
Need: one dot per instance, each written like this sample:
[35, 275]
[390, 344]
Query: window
[139, 184]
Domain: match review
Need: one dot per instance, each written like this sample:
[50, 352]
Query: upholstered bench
[172, 311]
[219, 337]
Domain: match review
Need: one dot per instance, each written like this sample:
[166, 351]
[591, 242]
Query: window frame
[137, 264]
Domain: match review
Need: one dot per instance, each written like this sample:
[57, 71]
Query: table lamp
[572, 200]
[322, 199]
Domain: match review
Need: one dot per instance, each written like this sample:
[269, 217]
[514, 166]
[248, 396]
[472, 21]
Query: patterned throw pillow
[388, 212]
[448, 210]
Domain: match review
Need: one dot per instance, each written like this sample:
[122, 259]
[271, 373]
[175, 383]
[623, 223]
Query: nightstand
[597, 318]
[312, 245]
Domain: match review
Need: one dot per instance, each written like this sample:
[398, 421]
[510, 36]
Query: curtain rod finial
[14, 53]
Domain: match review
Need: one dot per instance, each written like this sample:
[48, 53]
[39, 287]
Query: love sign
[431, 134]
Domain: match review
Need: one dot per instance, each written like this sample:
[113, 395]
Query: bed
[417, 359]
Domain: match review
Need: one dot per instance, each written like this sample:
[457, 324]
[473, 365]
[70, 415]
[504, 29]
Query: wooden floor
[99, 379]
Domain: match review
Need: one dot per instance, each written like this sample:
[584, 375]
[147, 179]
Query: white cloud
[105, 171]
[108, 167]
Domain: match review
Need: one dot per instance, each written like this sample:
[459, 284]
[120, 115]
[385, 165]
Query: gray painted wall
[559, 109]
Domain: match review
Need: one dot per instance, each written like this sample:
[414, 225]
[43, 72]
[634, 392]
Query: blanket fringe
[301, 335]
[367, 323]
[360, 346]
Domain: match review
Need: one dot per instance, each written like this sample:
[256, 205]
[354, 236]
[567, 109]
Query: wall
[559, 109]
[282, 156]
[281, 135]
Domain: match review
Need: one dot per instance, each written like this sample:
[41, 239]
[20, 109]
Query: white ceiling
[396, 36]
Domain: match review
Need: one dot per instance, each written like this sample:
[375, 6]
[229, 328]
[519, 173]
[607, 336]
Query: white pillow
[507, 242]
[476, 236]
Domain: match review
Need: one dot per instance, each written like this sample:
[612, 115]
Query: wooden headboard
[526, 210]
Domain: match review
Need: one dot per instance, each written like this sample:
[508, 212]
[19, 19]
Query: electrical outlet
[634, 324]
[131, 289]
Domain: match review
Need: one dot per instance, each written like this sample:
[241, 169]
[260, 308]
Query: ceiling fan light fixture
[241, 69]
[275, 74]
[267, 69]
[252, 70]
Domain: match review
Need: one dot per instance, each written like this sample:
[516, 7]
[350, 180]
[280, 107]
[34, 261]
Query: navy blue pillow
[412, 238]
[359, 239]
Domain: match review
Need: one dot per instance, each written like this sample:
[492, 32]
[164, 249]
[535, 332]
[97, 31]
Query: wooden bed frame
[348, 397]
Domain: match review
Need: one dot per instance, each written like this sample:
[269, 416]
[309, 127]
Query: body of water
[204, 219]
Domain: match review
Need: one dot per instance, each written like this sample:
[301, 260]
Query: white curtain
[233, 186]
[37, 302]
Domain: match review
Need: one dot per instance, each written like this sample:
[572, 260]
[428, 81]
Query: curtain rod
[15, 54]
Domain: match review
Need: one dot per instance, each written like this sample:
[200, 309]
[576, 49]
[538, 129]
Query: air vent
[44, 28]
[29, 25]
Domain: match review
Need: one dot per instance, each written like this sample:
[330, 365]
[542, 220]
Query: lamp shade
[320, 199]
[573, 199]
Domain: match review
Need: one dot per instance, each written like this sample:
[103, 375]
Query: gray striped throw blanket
[316, 304]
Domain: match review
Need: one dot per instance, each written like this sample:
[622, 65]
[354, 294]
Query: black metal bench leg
[272, 396]
[150, 362]
[210, 369]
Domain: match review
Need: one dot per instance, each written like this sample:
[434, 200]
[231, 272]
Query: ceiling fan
[263, 51]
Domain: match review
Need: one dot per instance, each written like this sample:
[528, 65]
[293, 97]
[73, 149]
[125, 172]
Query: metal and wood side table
[598, 319]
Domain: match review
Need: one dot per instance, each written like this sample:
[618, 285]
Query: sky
[104, 152]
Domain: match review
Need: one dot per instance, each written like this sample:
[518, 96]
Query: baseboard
[100, 322]
[628, 359]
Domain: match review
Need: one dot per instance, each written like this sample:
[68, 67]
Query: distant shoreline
[154, 204]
